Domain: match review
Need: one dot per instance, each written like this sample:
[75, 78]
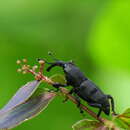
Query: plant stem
[100, 119]
[71, 98]
[39, 76]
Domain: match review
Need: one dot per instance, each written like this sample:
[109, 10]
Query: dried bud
[19, 70]
[18, 62]
[28, 66]
[24, 72]
[37, 77]
[24, 60]
[25, 67]
[34, 67]
[41, 61]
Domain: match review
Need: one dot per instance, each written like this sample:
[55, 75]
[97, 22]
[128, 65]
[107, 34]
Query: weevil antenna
[52, 56]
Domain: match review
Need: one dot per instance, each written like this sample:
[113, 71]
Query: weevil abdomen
[90, 92]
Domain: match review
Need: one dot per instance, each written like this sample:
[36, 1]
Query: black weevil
[83, 87]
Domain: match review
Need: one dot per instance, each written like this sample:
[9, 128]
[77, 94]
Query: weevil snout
[57, 63]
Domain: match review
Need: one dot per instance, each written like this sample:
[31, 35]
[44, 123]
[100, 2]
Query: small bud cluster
[34, 67]
[25, 68]
[41, 62]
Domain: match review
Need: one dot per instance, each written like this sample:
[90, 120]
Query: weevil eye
[65, 65]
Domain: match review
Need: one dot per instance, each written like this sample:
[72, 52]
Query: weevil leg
[99, 113]
[78, 103]
[57, 85]
[112, 103]
[98, 106]
[70, 92]
[77, 98]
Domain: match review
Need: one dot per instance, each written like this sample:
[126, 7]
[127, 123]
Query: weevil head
[62, 64]
[57, 62]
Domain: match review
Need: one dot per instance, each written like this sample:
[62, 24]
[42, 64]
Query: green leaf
[25, 108]
[94, 125]
[58, 78]
[123, 120]
[127, 112]
[89, 125]
[120, 124]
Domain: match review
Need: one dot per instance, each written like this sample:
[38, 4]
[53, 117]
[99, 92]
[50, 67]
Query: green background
[93, 33]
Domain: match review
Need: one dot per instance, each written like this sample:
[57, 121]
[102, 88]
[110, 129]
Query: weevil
[82, 87]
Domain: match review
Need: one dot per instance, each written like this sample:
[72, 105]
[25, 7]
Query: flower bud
[25, 60]
[18, 62]
[41, 61]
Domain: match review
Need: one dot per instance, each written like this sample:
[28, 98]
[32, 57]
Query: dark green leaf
[86, 125]
[94, 125]
[28, 101]
[25, 111]
[58, 78]
[21, 95]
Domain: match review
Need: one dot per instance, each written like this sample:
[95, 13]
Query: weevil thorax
[73, 74]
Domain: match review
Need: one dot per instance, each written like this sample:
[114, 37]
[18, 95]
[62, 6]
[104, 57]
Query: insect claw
[114, 114]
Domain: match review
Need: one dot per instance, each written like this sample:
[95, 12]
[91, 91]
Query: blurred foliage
[97, 31]
[109, 47]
